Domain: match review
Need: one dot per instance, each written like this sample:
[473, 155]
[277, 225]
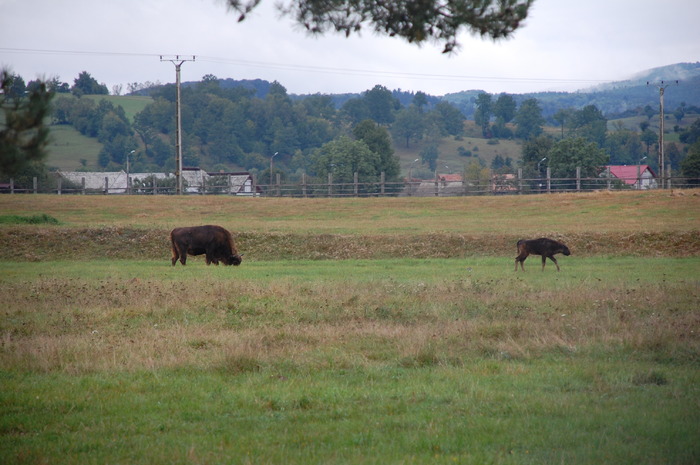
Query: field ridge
[25, 243]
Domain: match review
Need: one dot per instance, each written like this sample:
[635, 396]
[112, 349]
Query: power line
[318, 69]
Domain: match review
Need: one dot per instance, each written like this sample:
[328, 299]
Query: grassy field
[400, 357]
[68, 147]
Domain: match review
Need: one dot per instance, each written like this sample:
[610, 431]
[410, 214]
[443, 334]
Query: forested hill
[612, 99]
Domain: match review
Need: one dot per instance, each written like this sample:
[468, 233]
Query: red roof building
[637, 176]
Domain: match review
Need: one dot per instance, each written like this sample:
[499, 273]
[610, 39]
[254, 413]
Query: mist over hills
[613, 98]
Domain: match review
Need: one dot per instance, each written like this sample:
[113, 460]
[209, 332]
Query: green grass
[132, 104]
[548, 411]
[421, 345]
[67, 147]
[33, 219]
[350, 361]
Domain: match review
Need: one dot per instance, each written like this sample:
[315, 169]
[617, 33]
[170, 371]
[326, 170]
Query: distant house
[240, 183]
[444, 185]
[637, 176]
[194, 179]
[504, 184]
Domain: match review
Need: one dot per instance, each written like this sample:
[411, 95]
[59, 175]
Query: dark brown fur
[213, 241]
[542, 246]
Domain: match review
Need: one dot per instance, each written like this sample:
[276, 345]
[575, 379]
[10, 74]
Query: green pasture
[67, 147]
[351, 361]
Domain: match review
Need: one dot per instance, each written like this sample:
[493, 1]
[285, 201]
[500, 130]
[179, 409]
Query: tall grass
[351, 361]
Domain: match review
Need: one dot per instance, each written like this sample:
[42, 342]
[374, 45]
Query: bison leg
[544, 259]
[183, 255]
[555, 262]
[175, 254]
[520, 258]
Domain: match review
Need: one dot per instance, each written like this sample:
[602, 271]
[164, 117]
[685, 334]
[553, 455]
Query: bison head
[565, 250]
[233, 260]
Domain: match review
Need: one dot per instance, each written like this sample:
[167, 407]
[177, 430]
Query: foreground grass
[351, 361]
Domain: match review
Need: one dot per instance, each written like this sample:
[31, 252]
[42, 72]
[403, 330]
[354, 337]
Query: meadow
[390, 356]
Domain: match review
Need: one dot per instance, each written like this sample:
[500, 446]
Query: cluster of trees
[231, 126]
[104, 121]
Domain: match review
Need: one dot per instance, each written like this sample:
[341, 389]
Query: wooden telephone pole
[178, 61]
[662, 159]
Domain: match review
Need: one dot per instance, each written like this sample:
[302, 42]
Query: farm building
[443, 185]
[637, 176]
[195, 180]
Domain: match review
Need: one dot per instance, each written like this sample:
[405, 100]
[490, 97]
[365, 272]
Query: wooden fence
[497, 185]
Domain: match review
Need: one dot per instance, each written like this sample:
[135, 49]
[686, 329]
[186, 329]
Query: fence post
[330, 184]
[520, 181]
[59, 185]
[354, 181]
[382, 180]
[82, 185]
[35, 184]
[668, 174]
[12, 185]
[203, 187]
[578, 179]
[303, 184]
[437, 185]
[549, 180]
[155, 185]
[106, 185]
[278, 179]
[607, 176]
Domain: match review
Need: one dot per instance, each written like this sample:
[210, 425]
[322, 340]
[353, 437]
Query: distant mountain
[682, 72]
[614, 98]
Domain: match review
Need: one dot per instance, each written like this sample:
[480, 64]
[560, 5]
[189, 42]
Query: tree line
[232, 126]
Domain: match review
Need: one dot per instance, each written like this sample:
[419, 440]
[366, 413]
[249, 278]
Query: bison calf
[213, 241]
[543, 246]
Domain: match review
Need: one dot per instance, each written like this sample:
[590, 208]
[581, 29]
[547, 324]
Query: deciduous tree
[690, 165]
[85, 84]
[568, 154]
[378, 140]
[529, 119]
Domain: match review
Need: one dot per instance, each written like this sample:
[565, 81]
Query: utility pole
[178, 61]
[662, 159]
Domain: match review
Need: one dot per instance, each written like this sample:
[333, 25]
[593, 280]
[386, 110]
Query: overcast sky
[563, 45]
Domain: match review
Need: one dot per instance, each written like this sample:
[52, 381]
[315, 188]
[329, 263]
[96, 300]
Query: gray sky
[564, 45]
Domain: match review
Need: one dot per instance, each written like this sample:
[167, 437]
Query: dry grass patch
[349, 319]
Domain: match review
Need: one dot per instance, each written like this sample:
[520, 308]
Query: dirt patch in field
[26, 243]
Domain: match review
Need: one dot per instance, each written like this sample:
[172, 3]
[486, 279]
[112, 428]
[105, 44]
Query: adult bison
[214, 241]
[542, 246]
